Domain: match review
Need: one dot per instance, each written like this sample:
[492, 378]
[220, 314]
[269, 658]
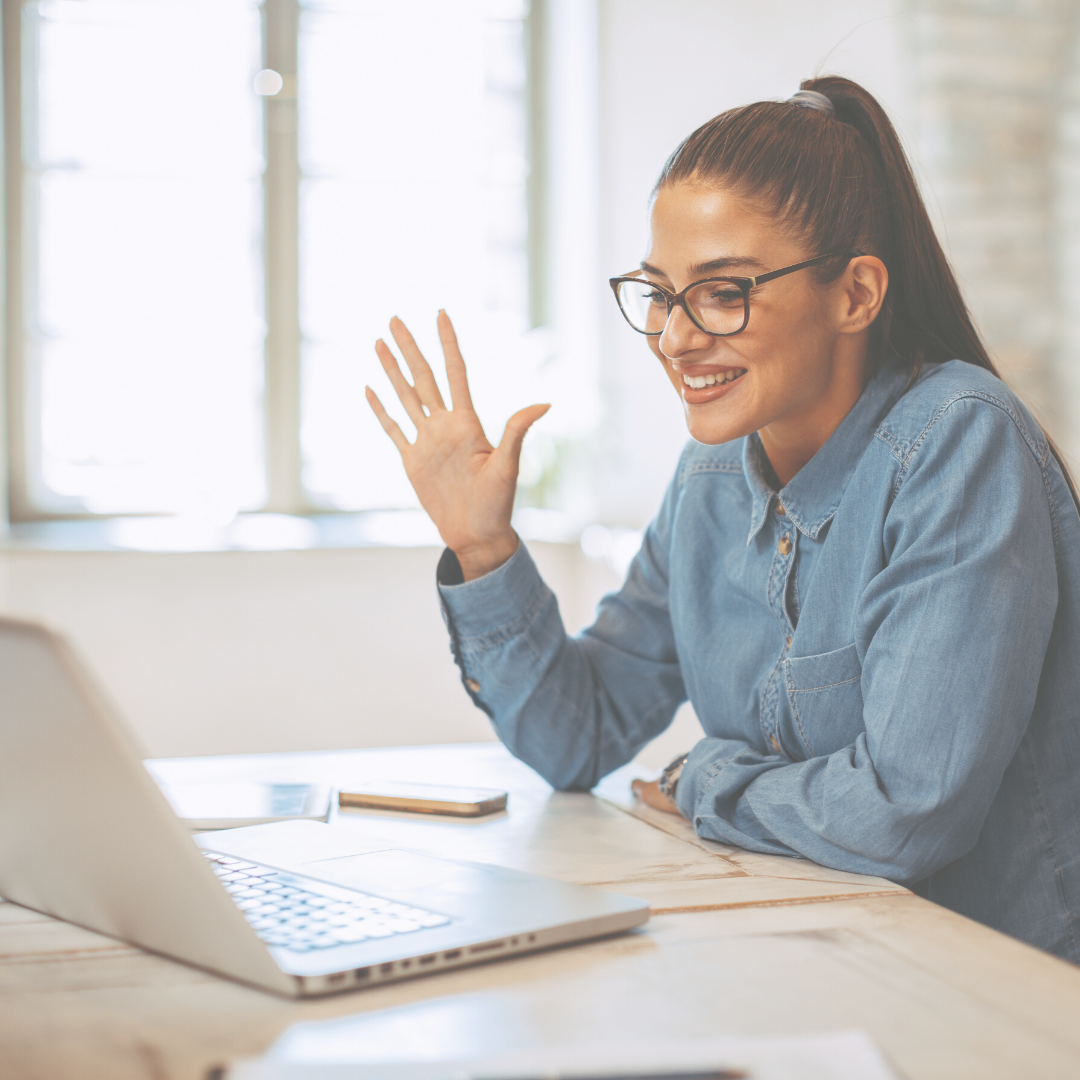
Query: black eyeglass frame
[745, 284]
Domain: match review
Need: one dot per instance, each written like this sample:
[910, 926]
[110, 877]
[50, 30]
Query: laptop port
[487, 947]
[386, 968]
[453, 954]
[339, 977]
[361, 973]
[427, 959]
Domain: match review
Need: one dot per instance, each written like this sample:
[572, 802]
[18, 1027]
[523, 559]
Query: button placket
[783, 562]
[786, 548]
[785, 545]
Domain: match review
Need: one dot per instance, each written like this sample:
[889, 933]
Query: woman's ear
[863, 285]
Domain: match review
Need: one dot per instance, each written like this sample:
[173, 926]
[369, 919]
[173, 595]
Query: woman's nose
[681, 336]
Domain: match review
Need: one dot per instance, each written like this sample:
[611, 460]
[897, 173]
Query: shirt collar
[814, 492]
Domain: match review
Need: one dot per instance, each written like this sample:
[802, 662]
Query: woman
[866, 572]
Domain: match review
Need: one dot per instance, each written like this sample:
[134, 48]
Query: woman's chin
[711, 431]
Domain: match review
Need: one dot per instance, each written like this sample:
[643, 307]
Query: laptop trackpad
[398, 872]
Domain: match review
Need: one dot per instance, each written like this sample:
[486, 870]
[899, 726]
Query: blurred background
[213, 207]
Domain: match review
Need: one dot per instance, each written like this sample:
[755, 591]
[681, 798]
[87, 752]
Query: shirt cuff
[704, 761]
[491, 603]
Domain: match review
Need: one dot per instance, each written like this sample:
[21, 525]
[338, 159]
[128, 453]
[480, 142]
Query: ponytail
[842, 180]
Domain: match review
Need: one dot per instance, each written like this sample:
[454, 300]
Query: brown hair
[843, 182]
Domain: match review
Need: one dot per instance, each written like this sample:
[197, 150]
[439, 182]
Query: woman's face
[792, 373]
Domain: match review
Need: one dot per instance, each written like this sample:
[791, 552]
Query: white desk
[738, 944]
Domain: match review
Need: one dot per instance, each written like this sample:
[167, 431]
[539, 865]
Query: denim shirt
[884, 654]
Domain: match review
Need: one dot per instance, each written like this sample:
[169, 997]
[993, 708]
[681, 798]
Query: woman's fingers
[650, 794]
[455, 364]
[388, 424]
[516, 427]
[404, 389]
[423, 377]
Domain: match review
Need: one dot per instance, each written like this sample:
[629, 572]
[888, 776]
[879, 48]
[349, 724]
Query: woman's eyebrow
[726, 262]
[713, 266]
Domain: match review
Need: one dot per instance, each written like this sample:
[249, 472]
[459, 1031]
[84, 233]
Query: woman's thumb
[516, 427]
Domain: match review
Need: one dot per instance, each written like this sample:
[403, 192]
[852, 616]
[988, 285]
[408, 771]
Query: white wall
[242, 652]
[255, 651]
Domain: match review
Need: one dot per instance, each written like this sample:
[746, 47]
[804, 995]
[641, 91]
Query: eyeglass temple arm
[802, 266]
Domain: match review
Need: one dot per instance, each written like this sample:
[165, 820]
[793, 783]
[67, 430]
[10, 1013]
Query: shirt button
[780, 509]
[784, 546]
[775, 744]
[789, 643]
[473, 685]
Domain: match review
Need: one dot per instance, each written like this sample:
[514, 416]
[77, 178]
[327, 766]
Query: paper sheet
[845, 1055]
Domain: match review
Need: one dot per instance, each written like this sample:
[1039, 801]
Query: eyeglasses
[720, 306]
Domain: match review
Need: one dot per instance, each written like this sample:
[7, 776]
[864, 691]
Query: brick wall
[997, 88]
[1067, 249]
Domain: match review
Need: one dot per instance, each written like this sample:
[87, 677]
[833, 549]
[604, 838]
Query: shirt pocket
[825, 694]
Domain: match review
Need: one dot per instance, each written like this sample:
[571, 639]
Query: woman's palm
[464, 483]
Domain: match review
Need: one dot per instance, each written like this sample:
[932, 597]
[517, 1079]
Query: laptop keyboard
[293, 916]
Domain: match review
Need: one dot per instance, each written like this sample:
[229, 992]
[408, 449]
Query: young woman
[866, 572]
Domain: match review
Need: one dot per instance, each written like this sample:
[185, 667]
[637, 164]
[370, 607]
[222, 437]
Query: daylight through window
[146, 282]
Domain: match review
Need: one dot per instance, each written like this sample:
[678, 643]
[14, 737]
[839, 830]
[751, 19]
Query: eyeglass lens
[718, 306]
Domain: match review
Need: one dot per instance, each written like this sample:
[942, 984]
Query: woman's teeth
[699, 382]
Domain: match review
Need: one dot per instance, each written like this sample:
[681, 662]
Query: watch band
[669, 778]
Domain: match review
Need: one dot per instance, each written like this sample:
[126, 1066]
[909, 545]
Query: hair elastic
[811, 99]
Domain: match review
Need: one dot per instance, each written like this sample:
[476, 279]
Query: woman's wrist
[484, 558]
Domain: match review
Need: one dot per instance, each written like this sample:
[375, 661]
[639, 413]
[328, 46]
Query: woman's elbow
[907, 851]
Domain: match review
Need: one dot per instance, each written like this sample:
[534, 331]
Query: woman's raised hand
[464, 483]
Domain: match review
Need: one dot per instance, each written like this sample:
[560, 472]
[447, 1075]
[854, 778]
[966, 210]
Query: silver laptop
[300, 908]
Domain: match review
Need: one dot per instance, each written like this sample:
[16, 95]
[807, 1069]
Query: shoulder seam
[890, 441]
[1052, 503]
[989, 399]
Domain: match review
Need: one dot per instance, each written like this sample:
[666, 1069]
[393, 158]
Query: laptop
[300, 908]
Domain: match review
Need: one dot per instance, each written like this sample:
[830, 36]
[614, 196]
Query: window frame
[20, 439]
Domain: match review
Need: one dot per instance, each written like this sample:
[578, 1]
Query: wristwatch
[669, 778]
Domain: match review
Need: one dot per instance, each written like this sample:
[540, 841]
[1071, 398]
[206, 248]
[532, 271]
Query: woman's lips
[721, 384]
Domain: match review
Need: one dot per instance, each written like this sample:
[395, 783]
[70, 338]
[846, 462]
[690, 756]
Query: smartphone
[426, 799]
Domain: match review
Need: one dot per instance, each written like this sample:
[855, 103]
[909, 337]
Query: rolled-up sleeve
[951, 633]
[573, 708]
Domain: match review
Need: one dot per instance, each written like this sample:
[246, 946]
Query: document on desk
[844, 1055]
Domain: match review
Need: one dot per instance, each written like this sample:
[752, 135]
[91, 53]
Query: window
[199, 260]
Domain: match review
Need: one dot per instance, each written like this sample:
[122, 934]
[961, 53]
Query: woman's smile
[701, 385]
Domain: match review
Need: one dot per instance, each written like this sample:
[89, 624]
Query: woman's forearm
[573, 708]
